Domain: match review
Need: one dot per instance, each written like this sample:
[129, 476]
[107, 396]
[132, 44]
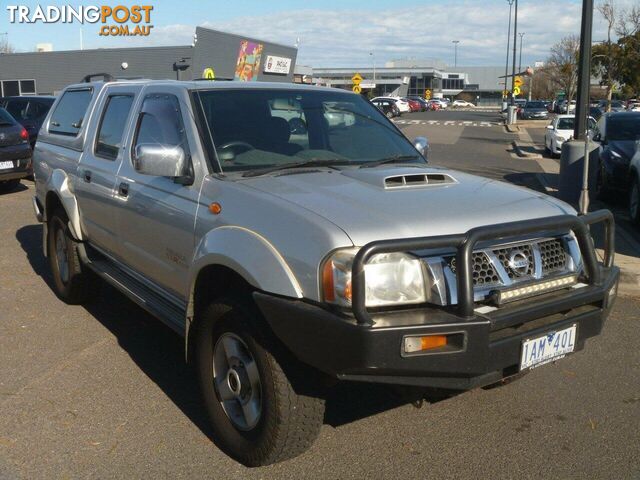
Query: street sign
[516, 91]
[357, 89]
[368, 85]
[209, 74]
[356, 79]
[505, 93]
[427, 94]
[518, 82]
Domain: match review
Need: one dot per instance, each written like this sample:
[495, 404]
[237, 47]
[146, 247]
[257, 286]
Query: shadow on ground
[159, 353]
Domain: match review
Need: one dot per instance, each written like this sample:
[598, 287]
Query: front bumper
[368, 346]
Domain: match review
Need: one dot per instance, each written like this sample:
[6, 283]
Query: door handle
[123, 189]
[87, 176]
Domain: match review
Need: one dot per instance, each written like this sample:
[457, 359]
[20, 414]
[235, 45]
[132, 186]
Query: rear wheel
[9, 185]
[73, 282]
[259, 400]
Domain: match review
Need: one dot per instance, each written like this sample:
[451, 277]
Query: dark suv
[29, 112]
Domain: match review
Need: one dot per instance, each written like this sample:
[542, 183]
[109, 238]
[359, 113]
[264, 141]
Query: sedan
[559, 131]
[634, 193]
[617, 134]
[424, 105]
[414, 105]
[535, 110]
[15, 152]
[462, 103]
[387, 107]
[402, 105]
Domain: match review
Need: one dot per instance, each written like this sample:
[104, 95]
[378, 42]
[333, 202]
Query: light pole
[506, 66]
[515, 38]
[455, 54]
[374, 66]
[520, 61]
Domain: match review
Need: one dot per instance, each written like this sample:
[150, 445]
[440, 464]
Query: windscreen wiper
[314, 162]
[394, 159]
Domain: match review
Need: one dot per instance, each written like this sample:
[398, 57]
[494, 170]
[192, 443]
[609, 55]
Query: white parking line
[447, 123]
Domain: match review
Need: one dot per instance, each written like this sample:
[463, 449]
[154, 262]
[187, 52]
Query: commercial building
[223, 54]
[410, 77]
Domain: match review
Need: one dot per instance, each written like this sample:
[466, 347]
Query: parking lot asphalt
[102, 391]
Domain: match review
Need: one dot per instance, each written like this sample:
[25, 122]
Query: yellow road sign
[357, 89]
[427, 94]
[518, 82]
[209, 74]
[505, 93]
[516, 91]
[356, 79]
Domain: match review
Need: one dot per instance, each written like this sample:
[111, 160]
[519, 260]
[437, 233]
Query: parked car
[462, 103]
[388, 107]
[634, 188]
[595, 112]
[615, 106]
[634, 107]
[29, 112]
[424, 105]
[564, 107]
[442, 105]
[617, 135]
[560, 130]
[15, 152]
[534, 110]
[289, 264]
[402, 105]
[414, 105]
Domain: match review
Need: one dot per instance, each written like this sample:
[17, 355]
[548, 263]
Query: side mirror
[421, 144]
[160, 160]
[549, 127]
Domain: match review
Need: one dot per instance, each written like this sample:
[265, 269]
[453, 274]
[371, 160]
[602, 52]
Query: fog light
[419, 344]
[611, 296]
[505, 296]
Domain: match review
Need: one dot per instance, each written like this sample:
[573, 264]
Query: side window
[18, 109]
[69, 114]
[160, 123]
[112, 125]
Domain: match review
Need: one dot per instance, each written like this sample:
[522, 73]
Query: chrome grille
[553, 256]
[504, 255]
[483, 271]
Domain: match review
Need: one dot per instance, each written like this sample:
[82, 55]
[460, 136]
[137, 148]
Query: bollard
[512, 115]
[571, 170]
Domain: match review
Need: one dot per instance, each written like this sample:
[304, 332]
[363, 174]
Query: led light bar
[512, 294]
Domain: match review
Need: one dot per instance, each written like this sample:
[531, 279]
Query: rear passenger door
[157, 214]
[99, 165]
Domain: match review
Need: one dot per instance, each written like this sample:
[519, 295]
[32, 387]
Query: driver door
[157, 214]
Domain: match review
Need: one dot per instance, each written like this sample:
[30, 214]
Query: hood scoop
[418, 180]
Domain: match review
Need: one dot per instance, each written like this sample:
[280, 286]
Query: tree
[628, 30]
[606, 56]
[562, 65]
[5, 47]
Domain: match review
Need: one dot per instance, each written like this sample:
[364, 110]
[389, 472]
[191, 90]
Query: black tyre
[73, 282]
[634, 201]
[389, 114]
[9, 185]
[259, 414]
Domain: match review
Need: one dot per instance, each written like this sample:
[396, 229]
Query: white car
[462, 103]
[559, 131]
[402, 105]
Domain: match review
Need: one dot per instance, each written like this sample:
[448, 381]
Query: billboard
[248, 63]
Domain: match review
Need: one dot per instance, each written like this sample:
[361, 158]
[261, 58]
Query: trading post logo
[115, 21]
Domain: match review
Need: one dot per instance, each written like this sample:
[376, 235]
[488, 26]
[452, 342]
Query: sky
[336, 33]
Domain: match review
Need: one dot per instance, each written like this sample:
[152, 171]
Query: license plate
[6, 165]
[547, 348]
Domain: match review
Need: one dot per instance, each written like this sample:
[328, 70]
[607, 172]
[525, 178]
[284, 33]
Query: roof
[214, 85]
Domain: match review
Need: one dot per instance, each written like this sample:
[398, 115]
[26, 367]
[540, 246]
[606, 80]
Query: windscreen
[5, 118]
[261, 128]
[565, 124]
[623, 127]
[535, 105]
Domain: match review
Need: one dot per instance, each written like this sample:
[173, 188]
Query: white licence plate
[6, 165]
[547, 348]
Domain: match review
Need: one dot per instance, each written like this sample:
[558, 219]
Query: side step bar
[172, 314]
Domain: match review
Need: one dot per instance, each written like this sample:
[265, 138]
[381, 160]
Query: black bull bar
[464, 244]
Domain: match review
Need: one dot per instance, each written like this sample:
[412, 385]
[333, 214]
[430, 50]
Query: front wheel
[257, 415]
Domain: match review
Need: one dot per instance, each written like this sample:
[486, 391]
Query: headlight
[615, 155]
[390, 279]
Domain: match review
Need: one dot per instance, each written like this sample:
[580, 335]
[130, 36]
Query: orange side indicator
[420, 344]
[215, 208]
